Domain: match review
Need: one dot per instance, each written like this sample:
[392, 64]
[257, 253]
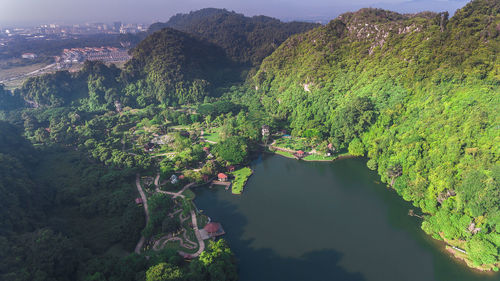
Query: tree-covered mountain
[95, 85]
[417, 94]
[244, 39]
[173, 66]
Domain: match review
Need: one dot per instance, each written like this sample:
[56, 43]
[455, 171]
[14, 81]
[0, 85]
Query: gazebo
[212, 227]
[300, 153]
[212, 230]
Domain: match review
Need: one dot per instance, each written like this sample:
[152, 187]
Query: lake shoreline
[440, 247]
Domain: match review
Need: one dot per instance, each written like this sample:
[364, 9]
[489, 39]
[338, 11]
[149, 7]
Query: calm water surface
[326, 221]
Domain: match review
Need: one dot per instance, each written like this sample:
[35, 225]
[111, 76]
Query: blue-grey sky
[148, 11]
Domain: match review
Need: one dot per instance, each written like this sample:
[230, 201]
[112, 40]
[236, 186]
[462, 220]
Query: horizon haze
[30, 12]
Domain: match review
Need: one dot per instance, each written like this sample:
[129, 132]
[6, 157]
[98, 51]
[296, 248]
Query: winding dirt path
[139, 245]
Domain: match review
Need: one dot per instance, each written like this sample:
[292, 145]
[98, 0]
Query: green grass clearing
[240, 178]
[316, 157]
[212, 136]
[293, 143]
[284, 153]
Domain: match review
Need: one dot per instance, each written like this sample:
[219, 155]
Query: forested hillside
[62, 201]
[172, 66]
[419, 95]
[246, 40]
[64, 216]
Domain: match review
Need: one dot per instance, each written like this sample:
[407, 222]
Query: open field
[15, 76]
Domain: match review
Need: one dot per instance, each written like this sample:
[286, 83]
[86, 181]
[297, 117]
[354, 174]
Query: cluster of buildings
[87, 28]
[79, 55]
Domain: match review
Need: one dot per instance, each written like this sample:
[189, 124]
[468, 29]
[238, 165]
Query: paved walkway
[161, 243]
[189, 244]
[174, 194]
[139, 245]
[194, 220]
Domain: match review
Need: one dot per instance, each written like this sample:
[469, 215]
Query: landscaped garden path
[174, 194]
[160, 243]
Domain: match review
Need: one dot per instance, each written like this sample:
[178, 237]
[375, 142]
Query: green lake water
[327, 221]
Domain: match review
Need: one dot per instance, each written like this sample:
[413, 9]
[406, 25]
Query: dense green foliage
[233, 150]
[217, 264]
[70, 201]
[419, 95]
[160, 205]
[95, 87]
[172, 66]
[246, 40]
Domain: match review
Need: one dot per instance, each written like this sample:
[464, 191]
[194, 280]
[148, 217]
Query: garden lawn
[211, 136]
[316, 157]
[240, 178]
[284, 153]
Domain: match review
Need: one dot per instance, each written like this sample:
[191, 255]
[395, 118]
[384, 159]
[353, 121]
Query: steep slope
[244, 39]
[172, 66]
[420, 96]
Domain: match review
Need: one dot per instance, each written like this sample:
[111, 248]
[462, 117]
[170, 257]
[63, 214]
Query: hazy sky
[148, 11]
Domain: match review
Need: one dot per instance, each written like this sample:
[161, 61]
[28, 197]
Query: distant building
[30, 56]
[138, 200]
[222, 177]
[117, 25]
[230, 169]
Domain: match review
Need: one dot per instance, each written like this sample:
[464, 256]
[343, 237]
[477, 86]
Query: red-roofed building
[181, 177]
[212, 227]
[222, 177]
[300, 153]
[212, 230]
[138, 200]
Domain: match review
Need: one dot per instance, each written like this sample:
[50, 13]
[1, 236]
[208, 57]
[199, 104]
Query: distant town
[79, 55]
[87, 28]
[56, 31]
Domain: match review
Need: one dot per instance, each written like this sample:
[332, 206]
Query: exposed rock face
[376, 25]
